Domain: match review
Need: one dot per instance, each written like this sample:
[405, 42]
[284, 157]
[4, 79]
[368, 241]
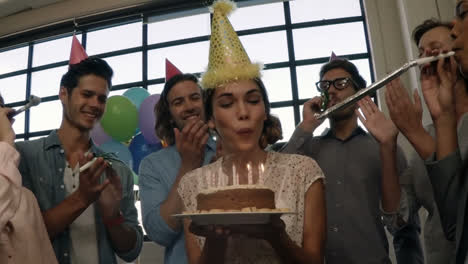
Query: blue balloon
[140, 149]
[136, 95]
[120, 150]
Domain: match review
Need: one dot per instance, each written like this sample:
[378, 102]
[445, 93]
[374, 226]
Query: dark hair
[92, 65]
[164, 122]
[2, 102]
[272, 131]
[349, 67]
[427, 25]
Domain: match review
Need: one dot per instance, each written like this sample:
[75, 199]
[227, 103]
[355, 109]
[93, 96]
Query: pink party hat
[333, 57]
[77, 53]
[171, 70]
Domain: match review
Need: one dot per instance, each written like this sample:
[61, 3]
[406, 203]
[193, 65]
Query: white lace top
[289, 176]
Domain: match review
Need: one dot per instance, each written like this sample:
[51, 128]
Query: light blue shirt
[158, 172]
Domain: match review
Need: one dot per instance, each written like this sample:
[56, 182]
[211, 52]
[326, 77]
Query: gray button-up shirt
[352, 169]
[42, 165]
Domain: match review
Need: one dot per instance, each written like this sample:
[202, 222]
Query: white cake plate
[231, 218]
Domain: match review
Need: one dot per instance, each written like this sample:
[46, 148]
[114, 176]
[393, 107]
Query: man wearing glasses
[350, 159]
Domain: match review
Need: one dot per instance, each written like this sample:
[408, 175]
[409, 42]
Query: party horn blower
[33, 101]
[379, 84]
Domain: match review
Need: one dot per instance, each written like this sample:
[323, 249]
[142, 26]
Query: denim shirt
[158, 172]
[42, 166]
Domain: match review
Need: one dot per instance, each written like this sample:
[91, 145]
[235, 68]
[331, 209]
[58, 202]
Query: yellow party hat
[228, 60]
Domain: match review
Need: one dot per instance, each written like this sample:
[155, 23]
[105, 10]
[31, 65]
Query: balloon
[140, 149]
[147, 119]
[136, 95]
[98, 135]
[120, 150]
[120, 119]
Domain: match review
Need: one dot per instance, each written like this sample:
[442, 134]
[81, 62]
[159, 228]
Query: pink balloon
[147, 119]
[98, 135]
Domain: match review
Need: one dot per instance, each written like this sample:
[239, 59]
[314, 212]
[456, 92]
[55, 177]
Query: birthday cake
[236, 198]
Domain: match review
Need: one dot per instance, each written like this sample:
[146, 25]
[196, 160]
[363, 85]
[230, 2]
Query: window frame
[138, 16]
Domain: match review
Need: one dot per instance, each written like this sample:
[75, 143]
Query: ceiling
[10, 7]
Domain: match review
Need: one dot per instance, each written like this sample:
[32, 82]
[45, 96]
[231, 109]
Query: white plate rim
[232, 213]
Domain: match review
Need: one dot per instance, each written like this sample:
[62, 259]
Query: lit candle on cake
[249, 174]
[213, 180]
[208, 179]
[261, 170]
[234, 175]
[221, 176]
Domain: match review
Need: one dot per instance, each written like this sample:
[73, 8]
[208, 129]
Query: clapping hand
[406, 115]
[437, 87]
[190, 143]
[375, 121]
[90, 188]
[111, 196]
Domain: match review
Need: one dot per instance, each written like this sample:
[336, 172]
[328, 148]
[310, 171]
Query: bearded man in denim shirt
[181, 123]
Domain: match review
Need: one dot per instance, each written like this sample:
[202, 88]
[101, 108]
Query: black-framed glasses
[460, 10]
[339, 83]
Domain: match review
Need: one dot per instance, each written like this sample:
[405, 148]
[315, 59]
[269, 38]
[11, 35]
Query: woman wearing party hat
[238, 110]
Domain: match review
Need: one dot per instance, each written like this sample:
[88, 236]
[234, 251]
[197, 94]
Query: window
[10, 88]
[278, 84]
[127, 68]
[293, 39]
[286, 116]
[316, 42]
[45, 116]
[291, 64]
[179, 28]
[13, 60]
[60, 48]
[306, 10]
[47, 82]
[156, 88]
[114, 38]
[266, 47]
[191, 58]
[266, 15]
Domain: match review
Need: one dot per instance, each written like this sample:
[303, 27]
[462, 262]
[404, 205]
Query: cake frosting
[232, 187]
[236, 198]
